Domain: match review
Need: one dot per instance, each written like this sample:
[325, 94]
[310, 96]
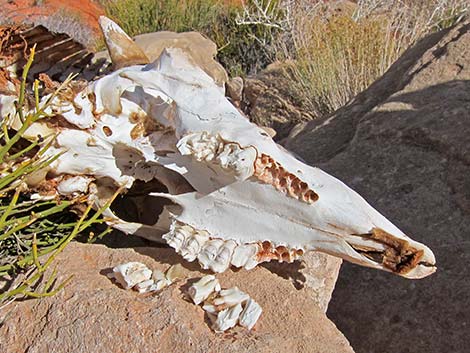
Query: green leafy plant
[33, 229]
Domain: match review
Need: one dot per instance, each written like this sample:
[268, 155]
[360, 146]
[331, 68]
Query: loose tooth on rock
[203, 288]
[174, 273]
[227, 318]
[250, 315]
[230, 297]
[131, 273]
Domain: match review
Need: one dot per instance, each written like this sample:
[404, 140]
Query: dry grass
[244, 48]
[340, 50]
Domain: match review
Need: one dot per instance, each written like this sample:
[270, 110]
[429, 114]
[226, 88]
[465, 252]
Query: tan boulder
[93, 314]
[201, 49]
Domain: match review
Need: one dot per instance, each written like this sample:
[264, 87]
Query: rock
[93, 314]
[268, 102]
[201, 49]
[234, 90]
[316, 274]
[404, 145]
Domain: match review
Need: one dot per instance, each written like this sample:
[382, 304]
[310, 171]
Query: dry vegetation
[337, 48]
[340, 50]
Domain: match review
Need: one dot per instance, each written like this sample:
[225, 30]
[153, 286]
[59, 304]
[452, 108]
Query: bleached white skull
[237, 197]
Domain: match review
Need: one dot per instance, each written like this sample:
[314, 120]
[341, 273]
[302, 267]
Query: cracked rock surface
[94, 314]
[404, 144]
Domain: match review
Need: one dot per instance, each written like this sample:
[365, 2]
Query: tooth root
[250, 314]
[203, 288]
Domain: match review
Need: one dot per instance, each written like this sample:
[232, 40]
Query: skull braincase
[237, 198]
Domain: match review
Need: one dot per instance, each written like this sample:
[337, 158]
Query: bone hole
[107, 131]
[138, 206]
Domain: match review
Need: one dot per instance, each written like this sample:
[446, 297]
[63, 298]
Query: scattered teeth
[203, 288]
[139, 277]
[224, 307]
[131, 273]
[250, 314]
[229, 307]
[227, 318]
[230, 297]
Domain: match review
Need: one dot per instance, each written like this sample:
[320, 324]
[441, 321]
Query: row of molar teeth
[227, 307]
[138, 276]
[280, 253]
[212, 253]
[270, 172]
[229, 156]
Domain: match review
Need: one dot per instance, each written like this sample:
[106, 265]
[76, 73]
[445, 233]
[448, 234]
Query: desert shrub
[338, 51]
[33, 231]
[245, 45]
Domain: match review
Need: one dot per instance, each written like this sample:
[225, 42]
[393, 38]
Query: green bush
[32, 229]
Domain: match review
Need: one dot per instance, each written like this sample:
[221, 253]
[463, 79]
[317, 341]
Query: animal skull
[237, 198]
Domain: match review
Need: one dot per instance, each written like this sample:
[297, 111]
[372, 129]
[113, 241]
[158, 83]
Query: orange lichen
[270, 172]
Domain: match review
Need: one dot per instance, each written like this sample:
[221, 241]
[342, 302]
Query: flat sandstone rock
[93, 314]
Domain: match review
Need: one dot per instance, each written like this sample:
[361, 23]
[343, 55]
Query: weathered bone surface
[239, 198]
